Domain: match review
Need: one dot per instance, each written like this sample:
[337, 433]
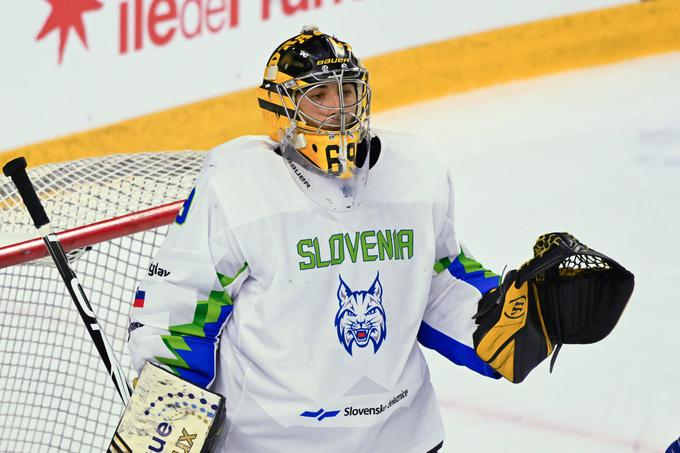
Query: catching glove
[567, 294]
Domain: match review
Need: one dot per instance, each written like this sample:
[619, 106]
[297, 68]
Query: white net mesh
[55, 394]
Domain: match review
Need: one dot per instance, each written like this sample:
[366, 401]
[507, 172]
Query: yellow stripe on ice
[402, 78]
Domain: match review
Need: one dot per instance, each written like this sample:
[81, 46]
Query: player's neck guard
[336, 194]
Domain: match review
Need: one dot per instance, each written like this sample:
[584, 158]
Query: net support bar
[94, 233]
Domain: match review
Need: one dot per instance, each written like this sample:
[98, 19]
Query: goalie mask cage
[111, 213]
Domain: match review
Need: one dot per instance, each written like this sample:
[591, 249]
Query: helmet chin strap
[344, 162]
[343, 127]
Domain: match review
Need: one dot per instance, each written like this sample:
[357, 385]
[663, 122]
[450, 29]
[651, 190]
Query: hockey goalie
[308, 266]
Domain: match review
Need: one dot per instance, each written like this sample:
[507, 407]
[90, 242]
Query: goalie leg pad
[168, 413]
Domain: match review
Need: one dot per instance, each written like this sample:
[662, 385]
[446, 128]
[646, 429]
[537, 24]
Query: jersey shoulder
[413, 161]
[246, 165]
[249, 151]
[250, 179]
[412, 146]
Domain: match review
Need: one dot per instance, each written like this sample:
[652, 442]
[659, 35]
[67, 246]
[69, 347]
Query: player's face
[321, 105]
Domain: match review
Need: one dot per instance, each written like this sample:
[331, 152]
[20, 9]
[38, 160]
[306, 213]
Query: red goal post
[111, 214]
[88, 235]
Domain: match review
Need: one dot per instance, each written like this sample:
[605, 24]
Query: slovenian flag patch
[139, 299]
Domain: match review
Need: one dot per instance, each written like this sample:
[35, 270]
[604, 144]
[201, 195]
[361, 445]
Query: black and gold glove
[567, 294]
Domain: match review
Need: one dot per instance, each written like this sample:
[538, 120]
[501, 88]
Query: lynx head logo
[361, 317]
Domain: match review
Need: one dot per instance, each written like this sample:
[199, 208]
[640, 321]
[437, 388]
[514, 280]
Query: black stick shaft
[16, 169]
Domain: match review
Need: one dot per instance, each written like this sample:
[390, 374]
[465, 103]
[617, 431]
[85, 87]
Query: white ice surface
[594, 152]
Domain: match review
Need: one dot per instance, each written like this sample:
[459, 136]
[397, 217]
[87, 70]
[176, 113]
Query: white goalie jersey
[309, 321]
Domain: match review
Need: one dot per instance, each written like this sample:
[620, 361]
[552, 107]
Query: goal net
[111, 214]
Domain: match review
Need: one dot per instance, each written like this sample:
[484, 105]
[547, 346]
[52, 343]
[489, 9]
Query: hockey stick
[16, 169]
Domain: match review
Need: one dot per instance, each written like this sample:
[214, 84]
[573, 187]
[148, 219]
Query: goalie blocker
[167, 413]
[567, 294]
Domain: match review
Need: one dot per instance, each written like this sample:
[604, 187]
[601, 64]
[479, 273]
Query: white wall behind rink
[148, 55]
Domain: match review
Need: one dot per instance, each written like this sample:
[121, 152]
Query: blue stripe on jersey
[184, 211]
[200, 357]
[473, 273]
[453, 350]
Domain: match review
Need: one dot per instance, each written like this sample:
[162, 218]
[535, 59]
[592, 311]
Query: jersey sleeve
[458, 283]
[184, 301]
